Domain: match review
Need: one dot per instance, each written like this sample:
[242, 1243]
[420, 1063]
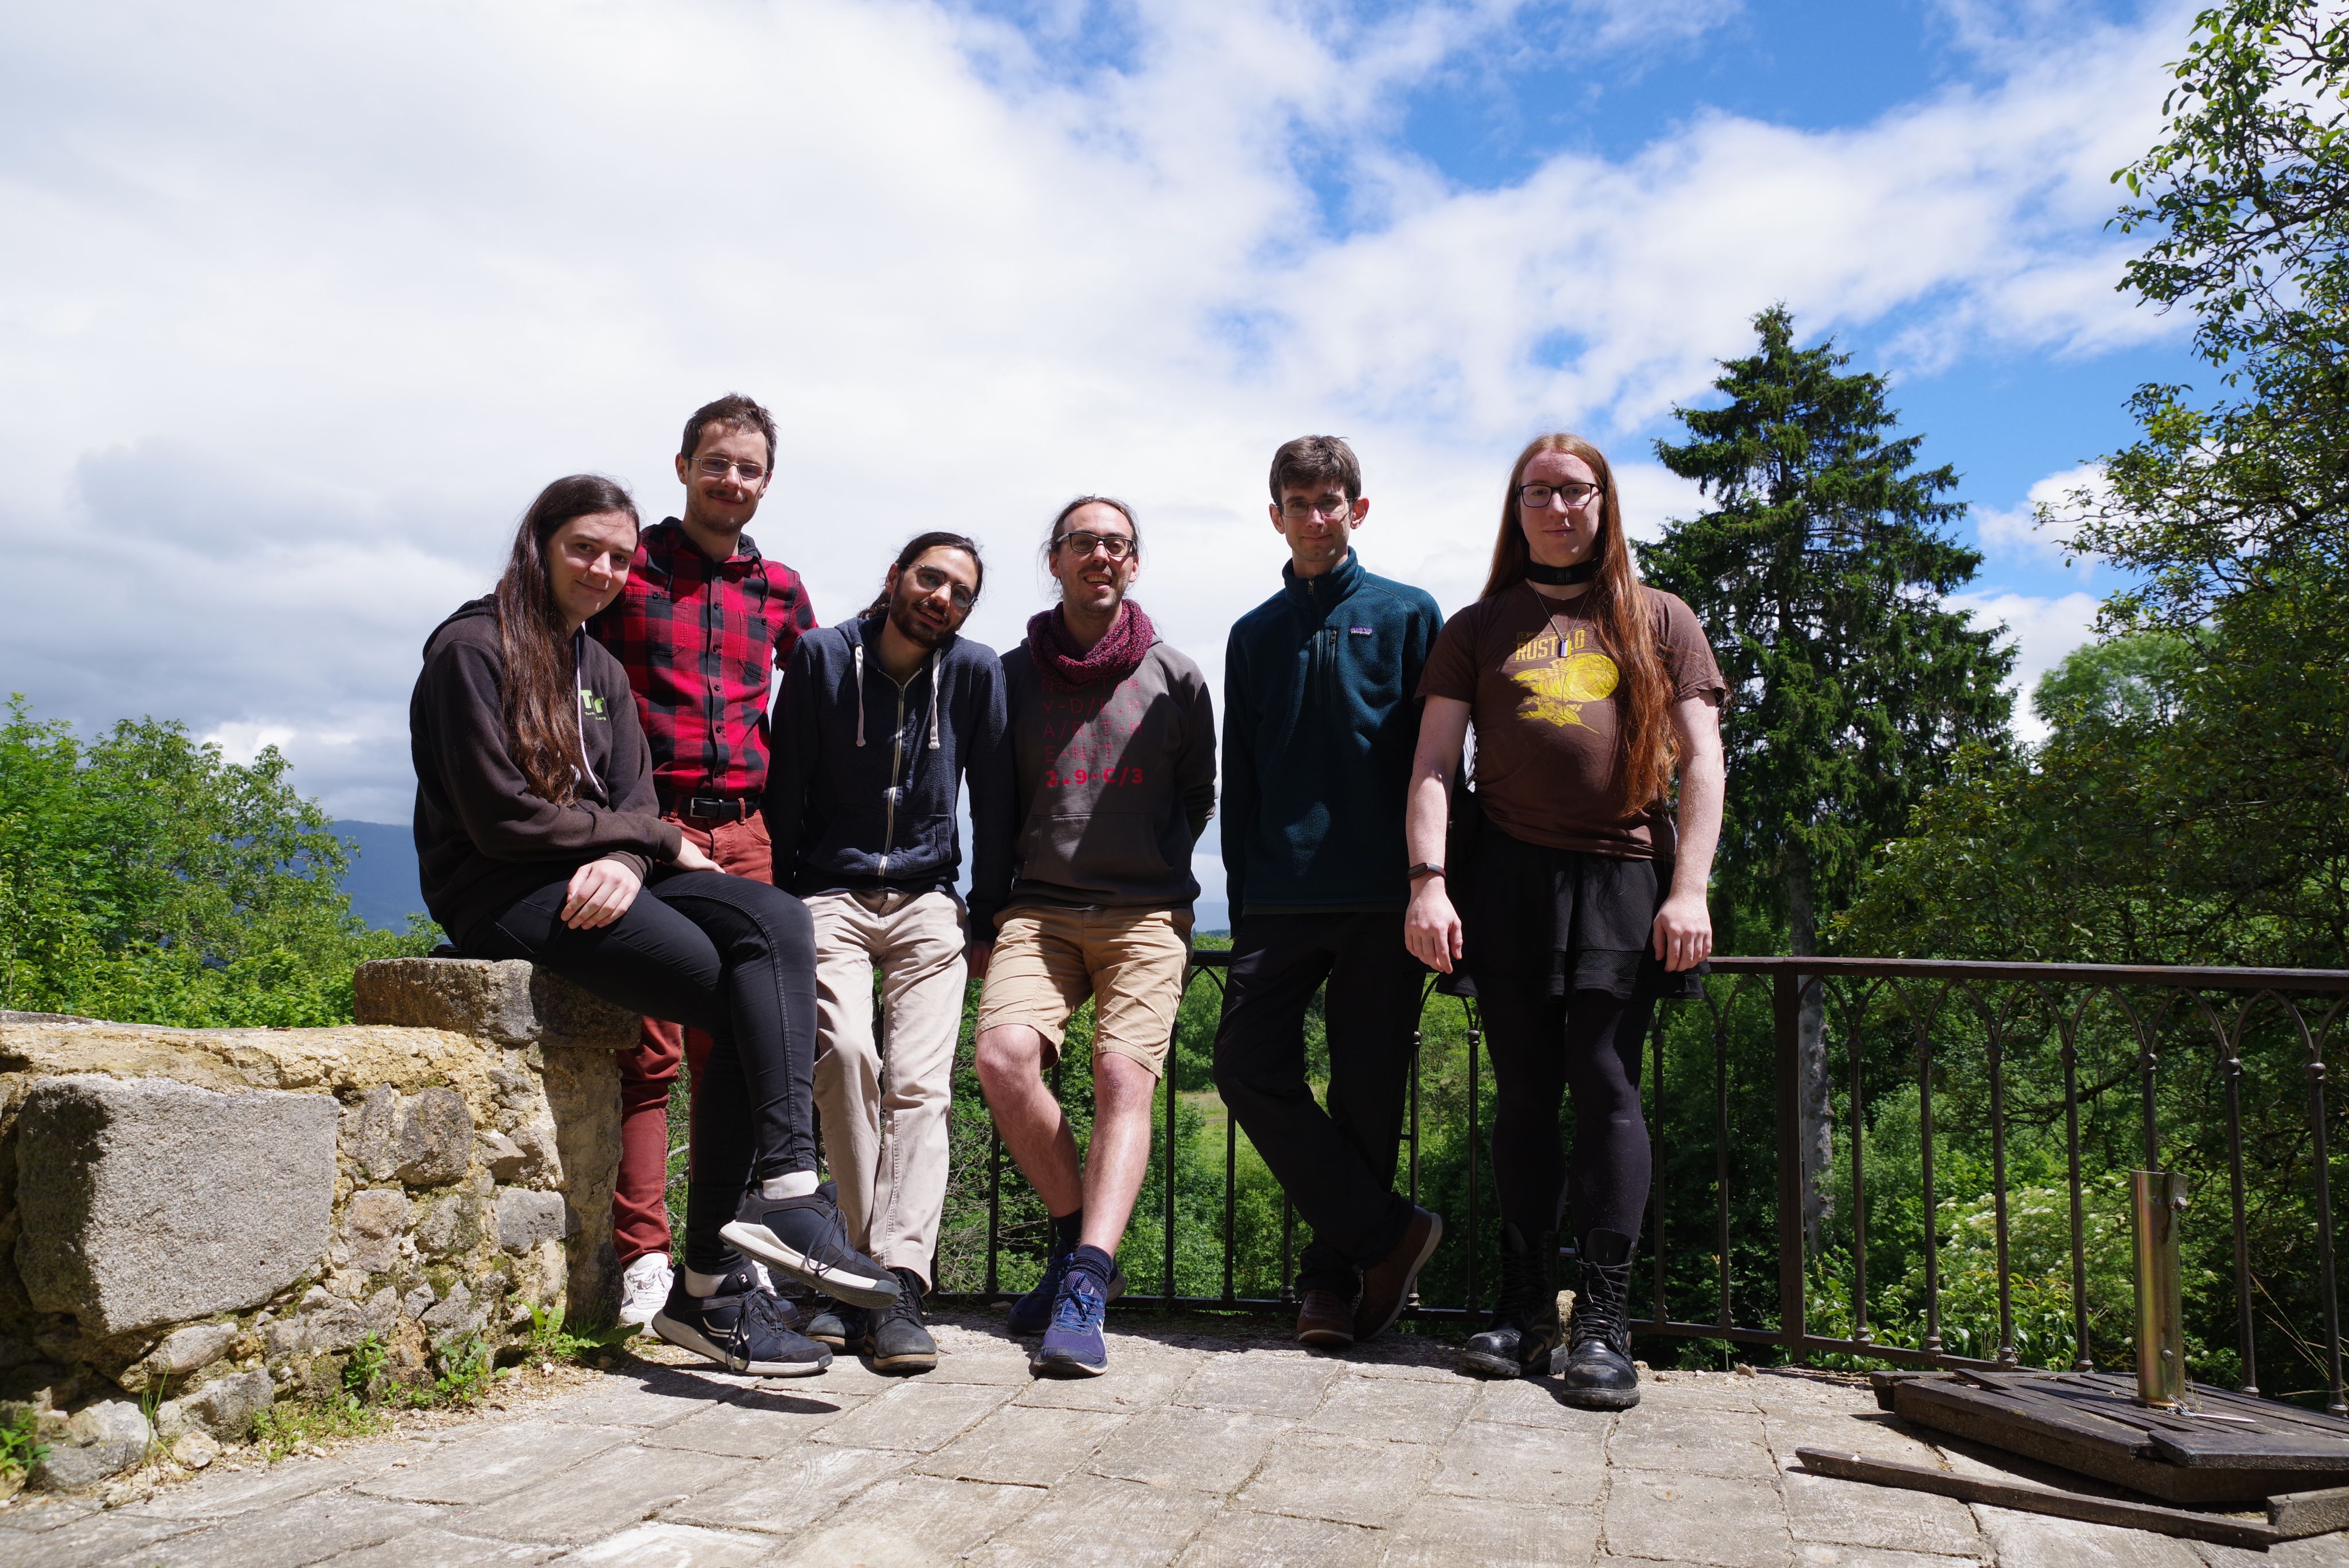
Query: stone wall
[194, 1222]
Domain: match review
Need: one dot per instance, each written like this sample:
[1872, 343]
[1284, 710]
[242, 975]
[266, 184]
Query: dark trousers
[1542, 1046]
[1337, 1165]
[730, 957]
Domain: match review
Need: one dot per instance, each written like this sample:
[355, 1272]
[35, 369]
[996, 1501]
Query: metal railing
[1999, 1018]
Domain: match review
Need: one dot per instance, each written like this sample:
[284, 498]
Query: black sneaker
[894, 1337]
[803, 1237]
[745, 1327]
[833, 1323]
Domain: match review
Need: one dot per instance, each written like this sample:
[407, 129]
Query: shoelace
[1610, 1290]
[1080, 1309]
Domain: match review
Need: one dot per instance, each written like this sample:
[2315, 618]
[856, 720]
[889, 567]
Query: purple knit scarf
[1067, 668]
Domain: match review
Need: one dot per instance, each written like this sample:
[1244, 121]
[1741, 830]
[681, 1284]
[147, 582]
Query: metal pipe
[2157, 1199]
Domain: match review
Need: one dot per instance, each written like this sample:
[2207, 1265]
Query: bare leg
[1010, 1059]
[1119, 1156]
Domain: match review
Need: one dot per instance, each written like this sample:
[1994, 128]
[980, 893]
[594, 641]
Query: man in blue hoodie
[1320, 721]
[880, 720]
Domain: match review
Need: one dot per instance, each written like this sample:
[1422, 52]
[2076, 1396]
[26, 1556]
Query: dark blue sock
[1093, 1257]
[1066, 1229]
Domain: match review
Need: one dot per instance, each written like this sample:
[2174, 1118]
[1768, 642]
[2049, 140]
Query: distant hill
[382, 882]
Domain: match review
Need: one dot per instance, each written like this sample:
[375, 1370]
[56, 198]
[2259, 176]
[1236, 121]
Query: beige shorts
[1130, 961]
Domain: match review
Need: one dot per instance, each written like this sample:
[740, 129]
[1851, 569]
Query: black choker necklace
[1560, 577]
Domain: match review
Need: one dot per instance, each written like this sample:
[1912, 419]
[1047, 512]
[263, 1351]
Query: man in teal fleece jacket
[1320, 722]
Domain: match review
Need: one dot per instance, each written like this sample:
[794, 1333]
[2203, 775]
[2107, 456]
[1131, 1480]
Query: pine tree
[1819, 576]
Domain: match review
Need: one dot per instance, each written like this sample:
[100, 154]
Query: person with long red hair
[1575, 898]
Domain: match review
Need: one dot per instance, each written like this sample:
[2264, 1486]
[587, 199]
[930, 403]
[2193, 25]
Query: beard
[913, 628]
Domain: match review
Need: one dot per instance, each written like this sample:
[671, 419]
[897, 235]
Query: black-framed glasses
[930, 579]
[718, 468]
[1574, 492]
[1297, 509]
[1116, 546]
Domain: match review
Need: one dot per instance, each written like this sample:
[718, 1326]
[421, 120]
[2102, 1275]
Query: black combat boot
[1599, 1374]
[1524, 1329]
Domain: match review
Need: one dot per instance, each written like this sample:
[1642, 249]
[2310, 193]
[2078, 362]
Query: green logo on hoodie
[592, 704]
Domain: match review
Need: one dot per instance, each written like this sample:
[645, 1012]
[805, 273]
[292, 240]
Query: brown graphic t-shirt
[1540, 683]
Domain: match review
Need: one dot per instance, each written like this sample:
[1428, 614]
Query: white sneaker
[644, 1287]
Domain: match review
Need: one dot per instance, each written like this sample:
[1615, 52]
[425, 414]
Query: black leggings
[726, 955]
[1542, 1045]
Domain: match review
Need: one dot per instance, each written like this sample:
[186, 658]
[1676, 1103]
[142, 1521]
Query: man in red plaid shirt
[702, 628]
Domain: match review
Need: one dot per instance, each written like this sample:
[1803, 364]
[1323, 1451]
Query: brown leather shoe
[1324, 1320]
[1387, 1283]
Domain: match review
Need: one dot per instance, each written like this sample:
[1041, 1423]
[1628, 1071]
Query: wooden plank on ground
[2217, 1529]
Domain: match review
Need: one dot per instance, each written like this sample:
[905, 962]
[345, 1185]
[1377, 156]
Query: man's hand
[689, 856]
[979, 955]
[601, 892]
[1683, 931]
[1431, 928]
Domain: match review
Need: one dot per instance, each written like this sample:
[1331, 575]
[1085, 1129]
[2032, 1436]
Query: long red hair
[1646, 746]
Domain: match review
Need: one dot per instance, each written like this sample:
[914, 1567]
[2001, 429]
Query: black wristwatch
[1425, 868]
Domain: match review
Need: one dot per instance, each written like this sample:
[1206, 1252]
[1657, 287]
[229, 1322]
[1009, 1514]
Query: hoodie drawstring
[934, 700]
[579, 688]
[858, 657]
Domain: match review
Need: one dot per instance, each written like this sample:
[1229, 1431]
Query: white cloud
[303, 304]
[2015, 532]
[2042, 631]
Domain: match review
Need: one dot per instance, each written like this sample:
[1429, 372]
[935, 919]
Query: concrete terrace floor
[1210, 1442]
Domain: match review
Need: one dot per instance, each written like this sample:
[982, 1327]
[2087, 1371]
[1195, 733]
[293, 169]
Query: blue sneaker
[1032, 1313]
[1072, 1346]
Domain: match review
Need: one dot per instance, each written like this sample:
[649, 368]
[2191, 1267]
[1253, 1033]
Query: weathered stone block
[525, 1219]
[146, 1202]
[436, 1139]
[224, 1407]
[450, 1226]
[190, 1349]
[372, 1227]
[370, 1132]
[96, 1442]
[510, 1002]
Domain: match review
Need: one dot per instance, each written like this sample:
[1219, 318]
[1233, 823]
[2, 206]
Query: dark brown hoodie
[482, 838]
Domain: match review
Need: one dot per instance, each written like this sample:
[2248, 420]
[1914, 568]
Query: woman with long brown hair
[1576, 900]
[539, 837]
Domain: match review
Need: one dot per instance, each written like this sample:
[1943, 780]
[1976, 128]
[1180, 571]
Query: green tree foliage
[1819, 576]
[145, 880]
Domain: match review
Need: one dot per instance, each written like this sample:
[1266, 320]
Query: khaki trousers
[884, 1104]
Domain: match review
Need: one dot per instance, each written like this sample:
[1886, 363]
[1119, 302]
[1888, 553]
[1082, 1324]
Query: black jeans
[1336, 1165]
[726, 955]
[1542, 1045]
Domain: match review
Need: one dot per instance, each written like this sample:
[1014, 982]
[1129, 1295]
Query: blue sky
[302, 304]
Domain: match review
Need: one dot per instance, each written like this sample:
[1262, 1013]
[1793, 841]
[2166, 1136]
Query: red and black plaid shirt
[701, 641]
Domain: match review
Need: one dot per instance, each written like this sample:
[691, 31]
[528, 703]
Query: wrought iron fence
[2188, 1065]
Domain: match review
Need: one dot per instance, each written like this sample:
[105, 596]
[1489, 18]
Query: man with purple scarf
[1114, 749]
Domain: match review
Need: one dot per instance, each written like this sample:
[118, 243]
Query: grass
[20, 1445]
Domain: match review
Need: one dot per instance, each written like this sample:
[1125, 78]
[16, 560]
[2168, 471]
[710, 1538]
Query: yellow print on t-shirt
[1561, 674]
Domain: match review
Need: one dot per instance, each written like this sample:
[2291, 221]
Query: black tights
[1542, 1046]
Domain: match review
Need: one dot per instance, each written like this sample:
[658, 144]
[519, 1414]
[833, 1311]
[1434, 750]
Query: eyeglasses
[1574, 492]
[718, 468]
[1116, 546]
[929, 579]
[1297, 509]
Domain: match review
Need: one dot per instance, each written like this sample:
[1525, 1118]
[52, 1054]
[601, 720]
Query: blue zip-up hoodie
[862, 794]
[1321, 718]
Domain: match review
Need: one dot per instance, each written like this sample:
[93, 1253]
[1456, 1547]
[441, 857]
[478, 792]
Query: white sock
[700, 1285]
[795, 1184]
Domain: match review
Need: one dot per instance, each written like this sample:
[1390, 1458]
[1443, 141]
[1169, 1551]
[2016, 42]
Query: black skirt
[1561, 921]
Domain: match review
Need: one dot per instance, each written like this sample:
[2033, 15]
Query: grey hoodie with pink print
[1113, 783]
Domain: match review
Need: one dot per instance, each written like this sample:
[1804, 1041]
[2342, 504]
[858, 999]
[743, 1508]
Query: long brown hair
[541, 695]
[1646, 745]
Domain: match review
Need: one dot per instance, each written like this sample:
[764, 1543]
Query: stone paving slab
[1210, 1442]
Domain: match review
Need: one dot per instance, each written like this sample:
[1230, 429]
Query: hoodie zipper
[896, 763]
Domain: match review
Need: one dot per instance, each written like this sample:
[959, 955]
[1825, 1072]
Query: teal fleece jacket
[1320, 717]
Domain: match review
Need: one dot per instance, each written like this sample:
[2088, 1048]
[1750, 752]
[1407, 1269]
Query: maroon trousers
[647, 1072]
